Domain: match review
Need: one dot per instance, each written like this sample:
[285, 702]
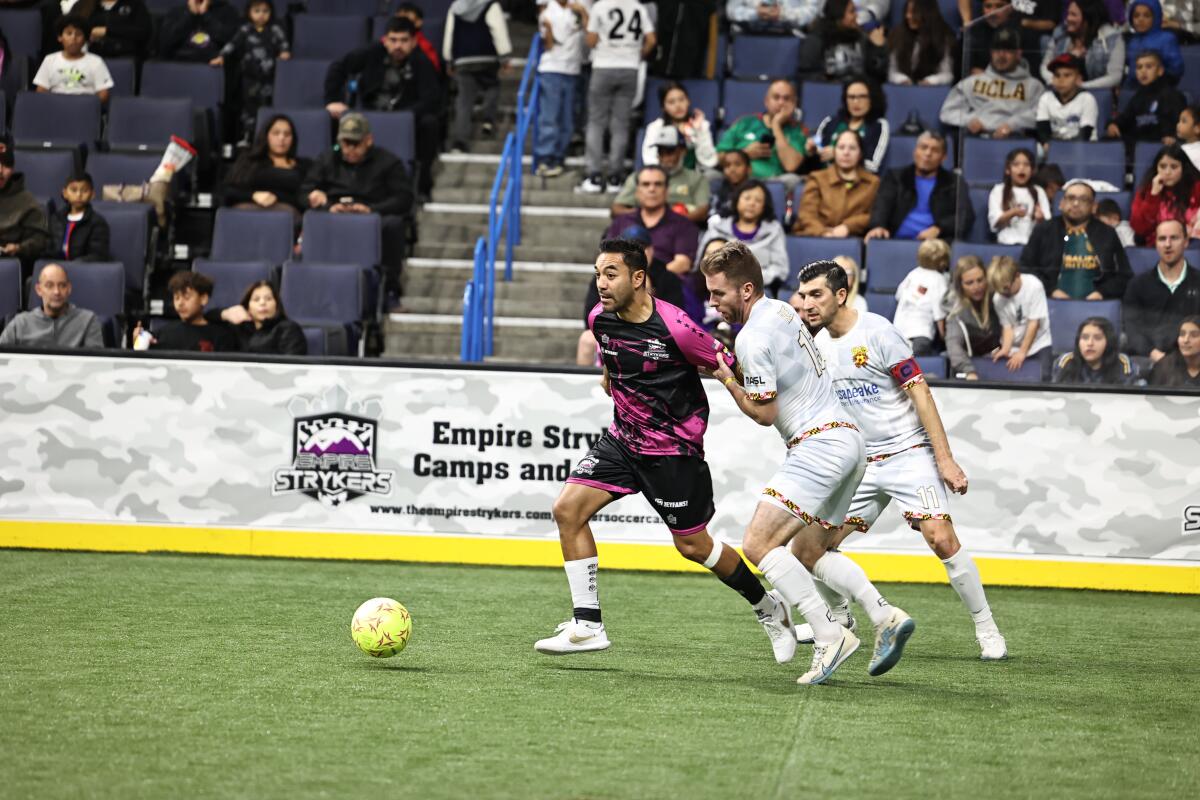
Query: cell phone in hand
[767, 139]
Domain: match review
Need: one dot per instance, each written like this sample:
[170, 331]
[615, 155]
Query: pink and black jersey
[659, 404]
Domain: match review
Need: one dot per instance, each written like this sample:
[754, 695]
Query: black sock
[744, 583]
[588, 614]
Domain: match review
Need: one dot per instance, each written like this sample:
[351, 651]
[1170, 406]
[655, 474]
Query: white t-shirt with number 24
[622, 26]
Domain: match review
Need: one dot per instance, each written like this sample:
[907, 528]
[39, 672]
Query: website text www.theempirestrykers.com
[411, 509]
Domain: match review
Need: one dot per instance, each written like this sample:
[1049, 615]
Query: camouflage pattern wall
[381, 450]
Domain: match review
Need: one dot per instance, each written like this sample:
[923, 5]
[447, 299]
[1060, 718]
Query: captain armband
[907, 373]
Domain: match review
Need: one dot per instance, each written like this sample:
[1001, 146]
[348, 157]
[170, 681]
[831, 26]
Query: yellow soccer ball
[381, 627]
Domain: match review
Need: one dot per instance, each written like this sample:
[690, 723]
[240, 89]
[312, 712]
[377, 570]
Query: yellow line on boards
[885, 567]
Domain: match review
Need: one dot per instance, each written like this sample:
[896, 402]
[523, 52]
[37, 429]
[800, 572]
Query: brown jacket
[828, 202]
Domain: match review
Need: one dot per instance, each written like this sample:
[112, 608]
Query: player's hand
[722, 372]
[953, 476]
[1015, 361]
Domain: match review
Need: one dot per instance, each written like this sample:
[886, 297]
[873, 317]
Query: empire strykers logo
[334, 450]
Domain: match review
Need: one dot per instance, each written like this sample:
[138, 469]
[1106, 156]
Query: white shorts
[909, 477]
[817, 480]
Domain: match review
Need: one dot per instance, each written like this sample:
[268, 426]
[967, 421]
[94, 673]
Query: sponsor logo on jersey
[754, 380]
[860, 356]
[671, 503]
[655, 350]
[863, 392]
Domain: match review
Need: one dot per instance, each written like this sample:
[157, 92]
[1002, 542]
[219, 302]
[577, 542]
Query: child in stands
[77, 232]
[256, 47]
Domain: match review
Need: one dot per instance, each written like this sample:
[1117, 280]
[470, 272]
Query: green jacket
[750, 129]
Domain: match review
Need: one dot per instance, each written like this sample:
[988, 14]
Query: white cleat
[778, 625]
[992, 646]
[574, 636]
[827, 658]
[804, 633]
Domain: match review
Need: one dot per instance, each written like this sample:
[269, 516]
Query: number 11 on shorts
[929, 498]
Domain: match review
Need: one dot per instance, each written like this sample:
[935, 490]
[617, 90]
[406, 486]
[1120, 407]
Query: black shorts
[679, 487]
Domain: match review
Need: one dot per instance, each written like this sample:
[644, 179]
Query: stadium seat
[124, 75]
[1191, 68]
[803, 250]
[705, 95]
[394, 131]
[109, 169]
[925, 100]
[766, 56]
[320, 36]
[983, 159]
[1098, 161]
[742, 98]
[98, 286]
[313, 128]
[10, 289]
[46, 171]
[23, 29]
[1104, 108]
[230, 278]
[933, 366]
[881, 303]
[1144, 259]
[141, 124]
[888, 261]
[820, 100]
[129, 243]
[988, 370]
[300, 83]
[56, 120]
[200, 83]
[980, 232]
[950, 13]
[342, 238]
[1066, 316]
[984, 251]
[1143, 158]
[899, 153]
[253, 236]
[327, 296]
[779, 197]
[315, 336]
[357, 8]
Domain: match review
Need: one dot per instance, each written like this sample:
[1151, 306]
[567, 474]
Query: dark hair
[252, 3]
[245, 301]
[768, 205]
[652, 168]
[1171, 370]
[79, 177]
[938, 137]
[831, 271]
[1157, 56]
[1095, 14]
[633, 254]
[878, 99]
[829, 25]
[736, 261]
[1047, 174]
[1194, 110]
[1110, 363]
[186, 279]
[72, 21]
[1179, 196]
[411, 8]
[932, 40]
[1107, 206]
[401, 25]
[1007, 197]
[242, 171]
[738, 154]
[665, 90]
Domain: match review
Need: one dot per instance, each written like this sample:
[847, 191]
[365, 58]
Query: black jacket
[379, 181]
[22, 220]
[1042, 255]
[1151, 312]
[277, 336]
[420, 89]
[1152, 112]
[264, 176]
[128, 28]
[89, 238]
[175, 39]
[840, 54]
[898, 196]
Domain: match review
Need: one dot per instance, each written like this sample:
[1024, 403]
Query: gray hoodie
[995, 99]
[76, 327]
[769, 245]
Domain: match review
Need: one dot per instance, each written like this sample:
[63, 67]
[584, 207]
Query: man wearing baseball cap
[1066, 113]
[687, 189]
[1002, 100]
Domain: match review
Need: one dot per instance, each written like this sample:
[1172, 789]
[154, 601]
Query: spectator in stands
[687, 189]
[1182, 17]
[360, 178]
[780, 16]
[476, 49]
[677, 112]
[1108, 212]
[920, 201]
[1182, 367]
[1170, 189]
[837, 200]
[1000, 102]
[393, 76]
[193, 332]
[921, 49]
[413, 13]
[197, 30]
[261, 325]
[774, 140]
[863, 109]
[1095, 359]
[71, 70]
[269, 174]
[120, 29]
[837, 47]
[1066, 113]
[561, 23]
[1050, 177]
[1158, 300]
[1020, 303]
[1075, 255]
[998, 15]
[754, 224]
[1187, 131]
[674, 237]
[24, 233]
[1086, 33]
[1153, 111]
[255, 48]
[56, 323]
[77, 232]
[972, 328]
[1015, 205]
[920, 315]
[1145, 21]
[735, 170]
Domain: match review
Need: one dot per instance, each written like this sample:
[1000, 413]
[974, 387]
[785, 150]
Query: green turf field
[163, 676]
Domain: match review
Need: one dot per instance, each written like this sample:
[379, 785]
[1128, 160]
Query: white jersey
[870, 367]
[622, 26]
[779, 359]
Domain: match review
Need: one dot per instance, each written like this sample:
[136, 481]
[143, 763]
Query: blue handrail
[504, 219]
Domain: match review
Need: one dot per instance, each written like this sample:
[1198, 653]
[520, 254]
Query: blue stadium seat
[983, 159]
[779, 196]
[342, 238]
[146, 124]
[925, 100]
[1067, 315]
[1144, 259]
[98, 286]
[1102, 161]
[987, 370]
[319, 36]
[888, 261]
[705, 95]
[10, 289]
[46, 171]
[300, 83]
[820, 100]
[1143, 158]
[23, 30]
[744, 97]
[933, 366]
[109, 169]
[129, 243]
[124, 75]
[1104, 108]
[328, 296]
[803, 250]
[253, 236]
[56, 120]
[984, 251]
[200, 83]
[766, 56]
[980, 232]
[899, 153]
[230, 278]
[313, 128]
[357, 8]
[949, 9]
[881, 303]
[316, 338]
[1191, 69]
[394, 131]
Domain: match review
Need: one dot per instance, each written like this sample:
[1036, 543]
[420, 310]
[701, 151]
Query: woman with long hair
[268, 175]
[837, 47]
[921, 49]
[863, 108]
[677, 110]
[754, 223]
[1170, 189]
[1086, 31]
[1181, 367]
[837, 200]
[261, 324]
[1016, 204]
[1095, 359]
[972, 327]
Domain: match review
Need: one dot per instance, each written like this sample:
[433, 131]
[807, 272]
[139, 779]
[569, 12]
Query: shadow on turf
[393, 666]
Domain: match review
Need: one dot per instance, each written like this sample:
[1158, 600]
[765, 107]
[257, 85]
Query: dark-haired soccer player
[881, 386]
[652, 354]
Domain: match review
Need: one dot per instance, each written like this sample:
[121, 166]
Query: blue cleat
[889, 642]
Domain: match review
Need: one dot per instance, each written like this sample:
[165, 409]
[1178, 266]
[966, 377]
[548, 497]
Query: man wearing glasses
[675, 238]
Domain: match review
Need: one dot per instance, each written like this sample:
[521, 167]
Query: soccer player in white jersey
[785, 384]
[882, 388]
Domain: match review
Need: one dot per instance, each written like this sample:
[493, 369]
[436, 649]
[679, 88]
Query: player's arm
[759, 407]
[604, 383]
[927, 412]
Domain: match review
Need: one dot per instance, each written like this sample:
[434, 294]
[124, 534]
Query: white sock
[581, 577]
[831, 596]
[795, 585]
[843, 575]
[964, 577]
